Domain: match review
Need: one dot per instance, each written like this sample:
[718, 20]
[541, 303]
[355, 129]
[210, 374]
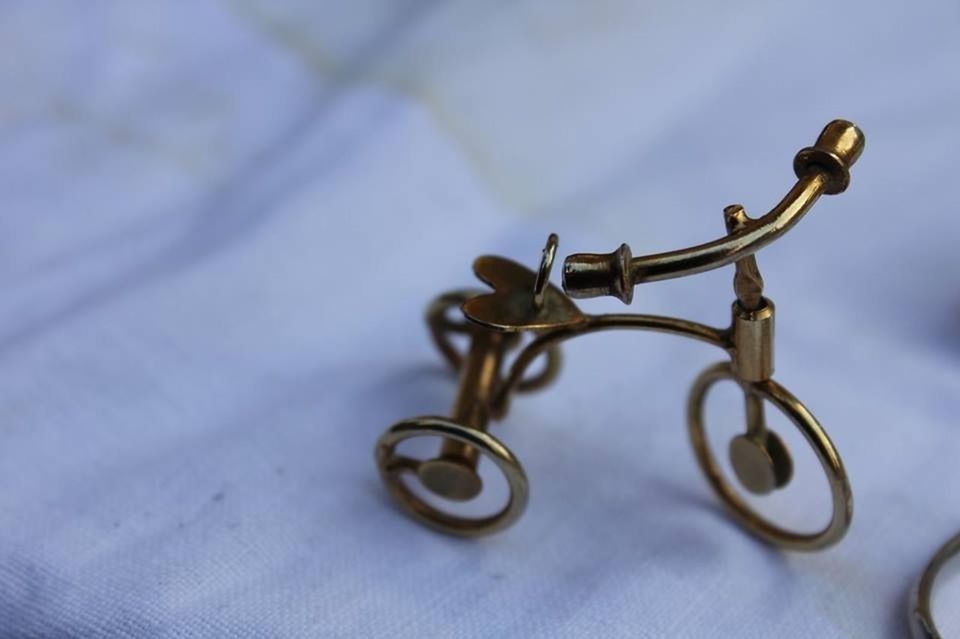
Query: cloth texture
[220, 224]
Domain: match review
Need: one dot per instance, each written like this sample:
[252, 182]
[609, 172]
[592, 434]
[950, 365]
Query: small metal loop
[806, 423]
[442, 326]
[489, 445]
[922, 625]
[551, 368]
[543, 273]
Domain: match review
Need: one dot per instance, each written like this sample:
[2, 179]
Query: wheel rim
[813, 433]
[393, 466]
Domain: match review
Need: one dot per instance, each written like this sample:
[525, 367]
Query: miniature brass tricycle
[525, 301]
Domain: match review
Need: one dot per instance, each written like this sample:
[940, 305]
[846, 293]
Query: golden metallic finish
[922, 625]
[392, 467]
[523, 301]
[806, 423]
[761, 463]
[753, 341]
[587, 275]
[821, 169]
[453, 473]
[747, 282]
[441, 327]
[836, 150]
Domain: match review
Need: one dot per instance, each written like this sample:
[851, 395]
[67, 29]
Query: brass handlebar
[823, 168]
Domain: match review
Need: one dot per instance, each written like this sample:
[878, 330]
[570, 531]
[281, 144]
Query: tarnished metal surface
[524, 302]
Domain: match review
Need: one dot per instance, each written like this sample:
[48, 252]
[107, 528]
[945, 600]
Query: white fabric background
[221, 222]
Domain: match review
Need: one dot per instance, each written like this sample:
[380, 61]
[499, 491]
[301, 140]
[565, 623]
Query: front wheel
[772, 392]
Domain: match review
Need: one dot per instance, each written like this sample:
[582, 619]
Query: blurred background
[220, 222]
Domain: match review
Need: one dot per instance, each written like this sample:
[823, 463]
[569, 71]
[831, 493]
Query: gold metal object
[821, 169]
[922, 625]
[524, 302]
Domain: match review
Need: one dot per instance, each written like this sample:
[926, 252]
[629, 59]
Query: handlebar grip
[597, 274]
[837, 149]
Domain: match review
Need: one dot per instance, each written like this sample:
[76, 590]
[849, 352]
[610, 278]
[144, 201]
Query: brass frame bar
[720, 337]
